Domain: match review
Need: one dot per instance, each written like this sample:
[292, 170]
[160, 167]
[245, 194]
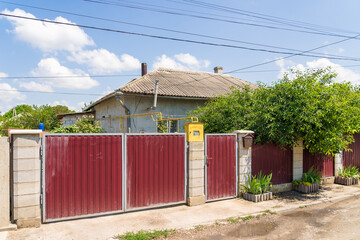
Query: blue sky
[32, 53]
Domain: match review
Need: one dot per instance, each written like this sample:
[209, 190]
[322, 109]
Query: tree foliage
[85, 124]
[306, 105]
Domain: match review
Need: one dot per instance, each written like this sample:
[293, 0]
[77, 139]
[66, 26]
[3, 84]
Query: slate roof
[180, 83]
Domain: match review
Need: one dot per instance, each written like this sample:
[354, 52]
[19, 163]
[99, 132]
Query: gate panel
[82, 175]
[270, 158]
[221, 166]
[324, 163]
[155, 170]
[352, 158]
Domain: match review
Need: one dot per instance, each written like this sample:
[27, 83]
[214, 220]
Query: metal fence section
[270, 158]
[155, 170]
[82, 175]
[220, 166]
[321, 162]
[352, 158]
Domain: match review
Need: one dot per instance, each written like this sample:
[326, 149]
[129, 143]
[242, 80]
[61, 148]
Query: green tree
[85, 124]
[309, 105]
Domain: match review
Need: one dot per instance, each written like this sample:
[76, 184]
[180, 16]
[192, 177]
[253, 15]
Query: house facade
[163, 93]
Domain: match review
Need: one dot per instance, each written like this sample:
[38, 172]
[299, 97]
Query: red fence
[324, 163]
[221, 166]
[83, 175]
[270, 158]
[155, 170]
[352, 158]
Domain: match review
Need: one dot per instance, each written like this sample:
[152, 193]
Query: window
[171, 126]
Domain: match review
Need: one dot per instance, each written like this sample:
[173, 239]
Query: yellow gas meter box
[194, 132]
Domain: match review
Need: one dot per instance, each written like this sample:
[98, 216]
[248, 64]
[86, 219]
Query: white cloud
[107, 90]
[284, 66]
[48, 36]
[34, 86]
[8, 93]
[180, 61]
[52, 67]
[102, 61]
[344, 74]
[64, 103]
[3, 75]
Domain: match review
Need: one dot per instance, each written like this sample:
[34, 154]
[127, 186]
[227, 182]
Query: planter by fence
[346, 181]
[307, 189]
[257, 197]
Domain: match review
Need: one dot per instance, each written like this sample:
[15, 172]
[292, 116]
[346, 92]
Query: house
[173, 93]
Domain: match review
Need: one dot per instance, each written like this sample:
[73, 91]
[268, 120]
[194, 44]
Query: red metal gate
[323, 163]
[221, 166]
[82, 175]
[155, 170]
[270, 158]
[352, 158]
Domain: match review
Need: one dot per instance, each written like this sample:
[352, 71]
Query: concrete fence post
[244, 158]
[338, 164]
[196, 188]
[26, 175]
[5, 186]
[298, 158]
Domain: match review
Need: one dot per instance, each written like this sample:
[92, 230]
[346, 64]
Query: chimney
[218, 70]
[143, 69]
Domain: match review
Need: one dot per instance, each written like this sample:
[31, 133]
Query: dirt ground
[331, 220]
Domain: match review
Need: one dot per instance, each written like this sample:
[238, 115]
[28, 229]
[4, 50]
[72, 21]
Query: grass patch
[247, 218]
[270, 212]
[233, 220]
[199, 227]
[145, 235]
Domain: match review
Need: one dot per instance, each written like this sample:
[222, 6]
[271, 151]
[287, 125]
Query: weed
[269, 211]
[217, 223]
[247, 218]
[233, 220]
[199, 227]
[258, 216]
[145, 235]
[303, 206]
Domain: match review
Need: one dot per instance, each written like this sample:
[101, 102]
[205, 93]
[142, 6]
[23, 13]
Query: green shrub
[85, 124]
[349, 172]
[258, 184]
[308, 178]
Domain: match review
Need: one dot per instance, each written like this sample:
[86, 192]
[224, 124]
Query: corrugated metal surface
[221, 166]
[155, 170]
[270, 158]
[83, 175]
[324, 163]
[352, 158]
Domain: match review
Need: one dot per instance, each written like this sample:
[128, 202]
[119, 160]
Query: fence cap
[25, 131]
[243, 131]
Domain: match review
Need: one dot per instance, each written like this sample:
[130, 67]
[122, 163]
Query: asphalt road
[332, 220]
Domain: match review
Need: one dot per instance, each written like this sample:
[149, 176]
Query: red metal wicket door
[155, 170]
[82, 175]
[221, 166]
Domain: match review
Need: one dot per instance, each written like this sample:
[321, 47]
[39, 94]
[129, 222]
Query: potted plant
[258, 188]
[310, 182]
[348, 176]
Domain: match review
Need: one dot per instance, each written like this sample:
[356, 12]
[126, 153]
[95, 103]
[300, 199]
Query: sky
[101, 44]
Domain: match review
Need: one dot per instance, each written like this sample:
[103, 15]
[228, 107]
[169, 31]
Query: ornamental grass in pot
[348, 176]
[258, 188]
[310, 182]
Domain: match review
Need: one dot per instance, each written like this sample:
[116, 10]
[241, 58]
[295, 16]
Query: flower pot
[257, 197]
[307, 189]
[346, 181]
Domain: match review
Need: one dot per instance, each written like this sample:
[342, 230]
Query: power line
[177, 39]
[163, 29]
[211, 18]
[72, 76]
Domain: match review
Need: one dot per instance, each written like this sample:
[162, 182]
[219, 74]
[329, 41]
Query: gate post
[26, 175]
[196, 187]
[338, 164]
[244, 158]
[298, 158]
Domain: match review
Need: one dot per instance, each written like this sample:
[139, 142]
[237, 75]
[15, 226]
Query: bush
[349, 172]
[308, 178]
[258, 184]
[85, 124]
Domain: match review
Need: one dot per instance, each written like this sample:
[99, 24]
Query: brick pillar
[338, 164]
[5, 185]
[26, 177]
[196, 192]
[298, 157]
[244, 158]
